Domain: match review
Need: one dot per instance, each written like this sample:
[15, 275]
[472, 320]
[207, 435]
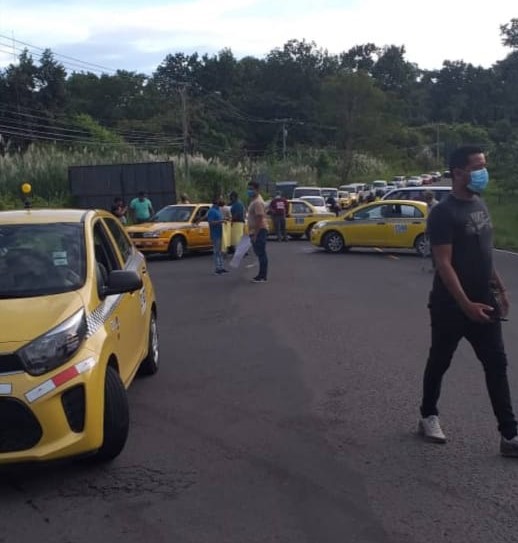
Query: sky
[137, 35]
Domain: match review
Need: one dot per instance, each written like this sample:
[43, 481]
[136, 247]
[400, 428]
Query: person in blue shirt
[216, 220]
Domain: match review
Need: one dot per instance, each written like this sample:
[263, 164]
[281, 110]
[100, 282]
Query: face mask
[250, 193]
[479, 180]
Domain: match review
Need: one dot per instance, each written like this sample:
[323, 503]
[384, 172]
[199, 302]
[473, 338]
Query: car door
[367, 227]
[297, 220]
[132, 260]
[407, 221]
[199, 235]
[121, 313]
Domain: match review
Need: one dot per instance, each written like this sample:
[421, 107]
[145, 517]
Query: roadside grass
[504, 213]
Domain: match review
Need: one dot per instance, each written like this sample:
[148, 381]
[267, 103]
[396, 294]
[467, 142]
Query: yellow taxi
[345, 199]
[78, 319]
[388, 223]
[301, 218]
[174, 230]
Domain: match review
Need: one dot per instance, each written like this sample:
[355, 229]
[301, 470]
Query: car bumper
[316, 237]
[158, 245]
[56, 415]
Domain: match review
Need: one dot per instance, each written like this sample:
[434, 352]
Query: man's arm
[475, 311]
[504, 309]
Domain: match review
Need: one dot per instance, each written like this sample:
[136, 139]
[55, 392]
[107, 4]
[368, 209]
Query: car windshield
[326, 193]
[173, 214]
[41, 259]
[315, 200]
[298, 192]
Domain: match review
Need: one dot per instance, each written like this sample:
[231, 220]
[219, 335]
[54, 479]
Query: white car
[317, 202]
[414, 181]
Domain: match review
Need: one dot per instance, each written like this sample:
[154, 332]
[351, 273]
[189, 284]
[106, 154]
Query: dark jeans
[260, 250]
[449, 326]
[279, 223]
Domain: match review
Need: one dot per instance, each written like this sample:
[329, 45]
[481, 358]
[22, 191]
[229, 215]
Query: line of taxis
[78, 313]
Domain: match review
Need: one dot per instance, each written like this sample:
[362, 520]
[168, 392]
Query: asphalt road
[286, 412]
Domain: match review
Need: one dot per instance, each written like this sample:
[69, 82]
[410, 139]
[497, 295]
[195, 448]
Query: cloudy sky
[137, 35]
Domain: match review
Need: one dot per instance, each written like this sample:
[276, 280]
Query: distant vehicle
[379, 185]
[306, 191]
[416, 193]
[427, 179]
[329, 192]
[399, 180]
[286, 188]
[414, 181]
[345, 199]
[318, 202]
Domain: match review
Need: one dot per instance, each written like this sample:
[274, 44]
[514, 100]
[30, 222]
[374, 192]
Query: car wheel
[116, 417]
[176, 248]
[334, 242]
[421, 245]
[150, 364]
[308, 231]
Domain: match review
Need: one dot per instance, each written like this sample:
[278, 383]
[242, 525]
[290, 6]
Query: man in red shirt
[279, 211]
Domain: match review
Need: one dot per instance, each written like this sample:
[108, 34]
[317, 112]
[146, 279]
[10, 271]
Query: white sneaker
[431, 430]
[509, 447]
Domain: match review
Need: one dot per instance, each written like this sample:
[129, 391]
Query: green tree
[509, 33]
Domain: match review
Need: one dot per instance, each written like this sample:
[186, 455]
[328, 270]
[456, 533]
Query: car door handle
[144, 271]
[416, 222]
[381, 223]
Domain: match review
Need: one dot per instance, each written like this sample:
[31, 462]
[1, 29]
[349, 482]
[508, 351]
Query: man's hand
[478, 312]
[504, 309]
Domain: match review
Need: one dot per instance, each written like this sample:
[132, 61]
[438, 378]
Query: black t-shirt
[466, 226]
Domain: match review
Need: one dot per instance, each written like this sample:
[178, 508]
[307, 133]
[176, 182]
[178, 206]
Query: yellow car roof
[42, 216]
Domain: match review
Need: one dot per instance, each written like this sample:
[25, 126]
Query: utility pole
[183, 96]
[284, 137]
[437, 146]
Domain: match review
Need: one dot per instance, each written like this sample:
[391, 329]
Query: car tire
[176, 248]
[307, 233]
[116, 417]
[333, 242]
[420, 245]
[150, 364]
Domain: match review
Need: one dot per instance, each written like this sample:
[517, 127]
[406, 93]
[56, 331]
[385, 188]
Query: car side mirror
[121, 281]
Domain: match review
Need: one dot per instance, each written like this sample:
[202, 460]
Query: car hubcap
[335, 243]
[421, 246]
[179, 249]
[154, 340]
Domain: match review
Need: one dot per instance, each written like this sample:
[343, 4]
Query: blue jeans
[259, 246]
[217, 253]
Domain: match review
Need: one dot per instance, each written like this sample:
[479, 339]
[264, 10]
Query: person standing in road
[430, 200]
[216, 220]
[258, 230]
[237, 211]
[119, 209]
[468, 298]
[279, 211]
[141, 208]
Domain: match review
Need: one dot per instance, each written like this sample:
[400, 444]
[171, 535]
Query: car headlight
[55, 347]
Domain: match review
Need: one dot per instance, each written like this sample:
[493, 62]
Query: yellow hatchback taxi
[174, 230]
[77, 321]
[388, 223]
[301, 218]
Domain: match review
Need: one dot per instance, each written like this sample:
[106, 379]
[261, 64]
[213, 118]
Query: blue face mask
[479, 180]
[250, 193]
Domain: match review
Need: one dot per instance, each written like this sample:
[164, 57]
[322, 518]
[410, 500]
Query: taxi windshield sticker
[400, 228]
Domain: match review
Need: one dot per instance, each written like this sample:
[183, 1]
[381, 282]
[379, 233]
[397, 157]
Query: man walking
[216, 220]
[258, 230]
[468, 299]
[279, 211]
[141, 208]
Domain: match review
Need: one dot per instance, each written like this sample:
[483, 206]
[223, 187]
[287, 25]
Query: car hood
[154, 226]
[24, 319]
